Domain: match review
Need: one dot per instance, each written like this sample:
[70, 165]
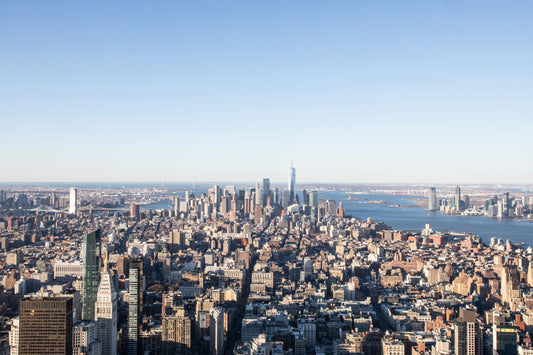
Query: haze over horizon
[389, 92]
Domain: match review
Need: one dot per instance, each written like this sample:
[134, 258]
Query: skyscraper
[84, 339]
[176, 205]
[457, 198]
[216, 331]
[266, 190]
[45, 325]
[73, 207]
[506, 204]
[135, 306]
[285, 200]
[176, 240]
[258, 196]
[176, 332]
[313, 198]
[292, 184]
[468, 335]
[106, 313]
[504, 339]
[305, 197]
[275, 196]
[432, 199]
[91, 268]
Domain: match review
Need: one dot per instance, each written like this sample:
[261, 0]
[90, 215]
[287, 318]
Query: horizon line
[272, 182]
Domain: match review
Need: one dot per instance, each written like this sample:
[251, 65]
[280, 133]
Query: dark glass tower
[91, 272]
[266, 190]
[135, 306]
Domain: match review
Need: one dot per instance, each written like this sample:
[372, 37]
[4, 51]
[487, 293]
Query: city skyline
[352, 93]
[280, 177]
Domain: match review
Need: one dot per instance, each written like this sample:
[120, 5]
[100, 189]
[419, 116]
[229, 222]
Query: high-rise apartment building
[73, 205]
[468, 335]
[176, 240]
[135, 306]
[106, 314]
[91, 272]
[135, 211]
[84, 339]
[45, 325]
[292, 184]
[176, 334]
[432, 199]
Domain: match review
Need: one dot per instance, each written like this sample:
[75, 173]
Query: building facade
[45, 325]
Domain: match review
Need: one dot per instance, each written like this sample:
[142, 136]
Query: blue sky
[351, 91]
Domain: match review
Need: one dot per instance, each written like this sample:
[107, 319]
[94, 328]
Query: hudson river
[415, 218]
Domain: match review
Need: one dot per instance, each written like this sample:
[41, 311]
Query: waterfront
[415, 218]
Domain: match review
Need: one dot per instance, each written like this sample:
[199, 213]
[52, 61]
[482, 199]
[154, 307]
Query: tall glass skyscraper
[266, 190]
[458, 198]
[292, 184]
[91, 272]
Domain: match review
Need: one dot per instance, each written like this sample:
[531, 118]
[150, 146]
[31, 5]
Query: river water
[415, 218]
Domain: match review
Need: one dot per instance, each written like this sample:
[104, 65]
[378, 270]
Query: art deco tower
[106, 313]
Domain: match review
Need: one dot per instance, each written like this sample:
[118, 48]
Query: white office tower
[73, 207]
[258, 196]
[106, 313]
[216, 331]
[432, 199]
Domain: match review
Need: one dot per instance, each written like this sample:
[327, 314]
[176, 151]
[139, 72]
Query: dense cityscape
[266, 177]
[257, 270]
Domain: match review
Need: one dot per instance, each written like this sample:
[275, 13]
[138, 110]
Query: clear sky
[351, 91]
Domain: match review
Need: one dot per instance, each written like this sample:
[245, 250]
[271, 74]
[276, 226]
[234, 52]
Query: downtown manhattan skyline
[415, 92]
